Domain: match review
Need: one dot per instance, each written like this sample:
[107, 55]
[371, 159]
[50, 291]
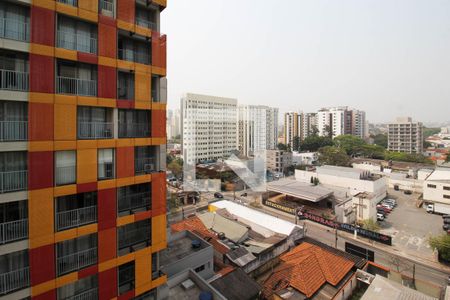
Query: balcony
[145, 165]
[14, 80]
[76, 86]
[13, 231]
[136, 130]
[134, 236]
[78, 42]
[95, 130]
[13, 181]
[69, 2]
[135, 202]
[76, 217]
[76, 261]
[91, 294]
[13, 131]
[134, 56]
[14, 280]
[14, 29]
[146, 23]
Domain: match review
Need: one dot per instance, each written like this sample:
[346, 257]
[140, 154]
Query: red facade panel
[127, 296]
[42, 74]
[125, 159]
[107, 284]
[106, 208]
[126, 104]
[159, 48]
[105, 20]
[86, 187]
[142, 216]
[158, 193]
[40, 170]
[126, 10]
[107, 82]
[40, 128]
[42, 264]
[42, 26]
[158, 123]
[107, 244]
[87, 58]
[46, 296]
[107, 40]
[89, 271]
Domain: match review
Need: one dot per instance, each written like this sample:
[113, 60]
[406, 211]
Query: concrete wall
[436, 194]
[347, 290]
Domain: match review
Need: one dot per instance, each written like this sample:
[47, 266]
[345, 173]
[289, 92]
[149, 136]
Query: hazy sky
[387, 57]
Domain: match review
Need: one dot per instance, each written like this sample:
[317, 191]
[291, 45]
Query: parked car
[244, 195]
[446, 227]
[385, 209]
[446, 221]
[407, 192]
[445, 216]
[380, 217]
[390, 206]
[380, 211]
[218, 195]
[391, 201]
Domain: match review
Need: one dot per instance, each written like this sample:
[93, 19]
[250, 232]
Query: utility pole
[336, 237]
[414, 275]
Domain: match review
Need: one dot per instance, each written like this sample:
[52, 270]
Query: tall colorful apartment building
[82, 149]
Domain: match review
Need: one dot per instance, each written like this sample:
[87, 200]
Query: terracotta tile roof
[195, 225]
[306, 268]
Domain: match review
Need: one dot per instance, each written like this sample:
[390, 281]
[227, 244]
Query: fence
[13, 231]
[13, 131]
[14, 80]
[76, 217]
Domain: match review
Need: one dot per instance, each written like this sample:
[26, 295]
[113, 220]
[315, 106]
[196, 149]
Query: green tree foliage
[442, 244]
[313, 143]
[282, 146]
[351, 144]
[330, 155]
[296, 144]
[176, 166]
[370, 224]
[380, 140]
[372, 151]
[448, 158]
[406, 157]
[327, 131]
[427, 132]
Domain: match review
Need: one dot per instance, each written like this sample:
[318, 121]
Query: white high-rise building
[341, 120]
[308, 125]
[404, 135]
[209, 127]
[292, 123]
[173, 123]
[257, 127]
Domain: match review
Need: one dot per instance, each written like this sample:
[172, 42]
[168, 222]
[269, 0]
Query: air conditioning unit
[148, 168]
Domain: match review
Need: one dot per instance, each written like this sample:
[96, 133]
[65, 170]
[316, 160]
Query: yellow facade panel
[65, 126]
[86, 165]
[41, 217]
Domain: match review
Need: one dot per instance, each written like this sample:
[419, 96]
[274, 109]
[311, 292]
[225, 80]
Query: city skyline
[393, 54]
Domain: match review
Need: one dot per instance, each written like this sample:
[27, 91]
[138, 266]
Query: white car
[380, 217]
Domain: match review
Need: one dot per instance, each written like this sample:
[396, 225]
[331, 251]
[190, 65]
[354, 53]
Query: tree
[296, 144]
[448, 158]
[282, 146]
[370, 224]
[315, 142]
[426, 145]
[408, 157]
[372, 151]
[327, 131]
[380, 140]
[441, 243]
[314, 131]
[330, 155]
[349, 143]
[176, 166]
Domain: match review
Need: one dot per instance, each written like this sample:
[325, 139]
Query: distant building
[173, 123]
[291, 127]
[308, 125]
[436, 187]
[304, 158]
[278, 160]
[209, 129]
[341, 120]
[404, 135]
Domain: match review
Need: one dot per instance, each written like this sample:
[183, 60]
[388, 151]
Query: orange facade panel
[65, 122]
[41, 217]
[142, 83]
[159, 230]
[143, 270]
[107, 40]
[89, 5]
[126, 10]
[125, 162]
[86, 165]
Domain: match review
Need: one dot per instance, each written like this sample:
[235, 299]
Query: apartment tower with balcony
[82, 149]
[404, 135]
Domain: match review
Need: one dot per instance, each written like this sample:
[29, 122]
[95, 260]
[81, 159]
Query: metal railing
[134, 129]
[13, 131]
[14, 80]
[155, 96]
[69, 2]
[146, 23]
[65, 175]
[14, 29]
[95, 130]
[145, 165]
[130, 55]
[13, 181]
[74, 41]
[14, 280]
[91, 294]
[76, 261]
[13, 231]
[108, 170]
[131, 238]
[107, 5]
[76, 217]
[76, 86]
[131, 202]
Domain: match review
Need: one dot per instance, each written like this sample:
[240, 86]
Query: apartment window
[65, 167]
[134, 123]
[134, 236]
[125, 86]
[75, 210]
[105, 164]
[133, 198]
[447, 188]
[137, 49]
[76, 78]
[432, 186]
[14, 71]
[94, 122]
[199, 269]
[13, 171]
[13, 120]
[76, 254]
[155, 266]
[76, 35]
[106, 8]
[14, 22]
[145, 160]
[69, 2]
[150, 295]
[82, 289]
[447, 196]
[14, 271]
[146, 17]
[13, 221]
[126, 277]
[155, 89]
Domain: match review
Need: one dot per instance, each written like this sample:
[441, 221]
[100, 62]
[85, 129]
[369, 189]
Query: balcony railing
[145, 165]
[76, 86]
[76, 217]
[13, 80]
[95, 130]
[78, 42]
[155, 96]
[69, 2]
[13, 131]
[146, 23]
[65, 175]
[130, 55]
[132, 240]
[133, 202]
[107, 5]
[108, 170]
[134, 129]
[13, 231]
[14, 280]
[91, 294]
[76, 261]
[14, 29]
[13, 181]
